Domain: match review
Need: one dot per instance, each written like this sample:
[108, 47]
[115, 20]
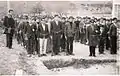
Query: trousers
[9, 39]
[92, 50]
[70, 45]
[43, 45]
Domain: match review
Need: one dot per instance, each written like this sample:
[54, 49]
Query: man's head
[11, 11]
[98, 21]
[9, 16]
[25, 17]
[78, 18]
[43, 21]
[63, 19]
[114, 20]
[88, 19]
[102, 21]
[71, 18]
[56, 18]
[92, 21]
[108, 21]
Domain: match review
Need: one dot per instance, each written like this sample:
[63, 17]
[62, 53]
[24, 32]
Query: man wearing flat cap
[63, 39]
[69, 34]
[77, 34]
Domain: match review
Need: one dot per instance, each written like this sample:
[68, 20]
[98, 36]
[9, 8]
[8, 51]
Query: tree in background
[37, 9]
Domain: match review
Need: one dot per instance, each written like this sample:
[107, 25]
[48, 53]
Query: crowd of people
[42, 35]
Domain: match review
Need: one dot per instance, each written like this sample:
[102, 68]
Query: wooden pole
[8, 5]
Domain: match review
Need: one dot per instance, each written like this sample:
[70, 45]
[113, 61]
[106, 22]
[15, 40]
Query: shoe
[10, 48]
[67, 54]
[44, 55]
[39, 55]
[90, 55]
[52, 54]
[94, 55]
[29, 55]
[57, 54]
[72, 54]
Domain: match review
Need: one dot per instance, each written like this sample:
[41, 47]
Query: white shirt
[43, 25]
[56, 22]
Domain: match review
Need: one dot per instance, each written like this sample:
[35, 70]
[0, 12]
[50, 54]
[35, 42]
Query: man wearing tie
[56, 32]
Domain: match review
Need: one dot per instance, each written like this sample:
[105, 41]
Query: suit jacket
[56, 29]
[104, 30]
[70, 31]
[113, 30]
[9, 23]
[43, 33]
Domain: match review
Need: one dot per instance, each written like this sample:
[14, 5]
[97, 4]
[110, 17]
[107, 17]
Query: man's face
[114, 21]
[88, 20]
[107, 22]
[43, 21]
[11, 12]
[102, 22]
[71, 19]
[77, 19]
[63, 20]
[56, 18]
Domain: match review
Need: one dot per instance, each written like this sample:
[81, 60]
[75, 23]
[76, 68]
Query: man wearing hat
[9, 24]
[22, 29]
[92, 38]
[63, 40]
[77, 34]
[69, 34]
[56, 32]
[113, 36]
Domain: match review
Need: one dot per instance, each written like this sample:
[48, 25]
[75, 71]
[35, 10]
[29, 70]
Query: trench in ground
[76, 63]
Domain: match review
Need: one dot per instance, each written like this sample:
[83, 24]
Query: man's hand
[26, 38]
[51, 37]
[61, 36]
[87, 41]
[37, 38]
[66, 37]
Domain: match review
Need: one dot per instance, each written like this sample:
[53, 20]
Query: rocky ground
[15, 61]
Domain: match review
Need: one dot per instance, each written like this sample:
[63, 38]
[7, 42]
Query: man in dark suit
[69, 35]
[92, 38]
[43, 34]
[63, 40]
[56, 32]
[9, 24]
[22, 30]
[113, 36]
[108, 24]
[103, 33]
[77, 34]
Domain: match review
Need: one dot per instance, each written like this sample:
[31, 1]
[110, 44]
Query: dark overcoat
[92, 35]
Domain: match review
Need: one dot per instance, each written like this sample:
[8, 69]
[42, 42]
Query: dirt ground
[12, 60]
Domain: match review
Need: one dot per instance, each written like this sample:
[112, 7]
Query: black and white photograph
[59, 37]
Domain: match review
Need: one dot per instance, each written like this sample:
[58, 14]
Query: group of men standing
[34, 33]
